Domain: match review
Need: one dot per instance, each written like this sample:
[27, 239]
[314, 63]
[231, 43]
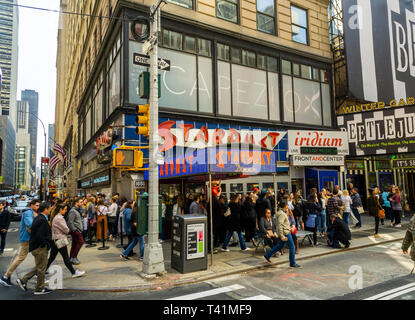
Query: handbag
[381, 214]
[360, 210]
[228, 212]
[62, 243]
[311, 221]
[406, 207]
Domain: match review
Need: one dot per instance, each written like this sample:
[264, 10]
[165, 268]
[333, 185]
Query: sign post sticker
[195, 241]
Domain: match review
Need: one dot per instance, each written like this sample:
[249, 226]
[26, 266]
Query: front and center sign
[317, 148]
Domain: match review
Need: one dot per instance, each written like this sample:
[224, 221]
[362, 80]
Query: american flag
[58, 148]
[53, 163]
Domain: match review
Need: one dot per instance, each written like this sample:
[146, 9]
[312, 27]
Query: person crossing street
[39, 245]
[24, 237]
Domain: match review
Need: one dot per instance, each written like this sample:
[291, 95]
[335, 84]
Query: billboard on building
[380, 52]
[388, 131]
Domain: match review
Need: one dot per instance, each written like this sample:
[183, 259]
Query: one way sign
[143, 60]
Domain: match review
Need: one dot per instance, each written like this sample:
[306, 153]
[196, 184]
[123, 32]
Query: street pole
[153, 252]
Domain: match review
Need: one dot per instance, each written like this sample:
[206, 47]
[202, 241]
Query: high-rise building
[32, 97]
[51, 137]
[9, 21]
[23, 172]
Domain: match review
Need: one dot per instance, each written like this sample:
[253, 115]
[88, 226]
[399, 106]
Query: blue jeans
[136, 239]
[229, 236]
[358, 217]
[322, 221]
[281, 245]
[346, 216]
[335, 242]
[3, 240]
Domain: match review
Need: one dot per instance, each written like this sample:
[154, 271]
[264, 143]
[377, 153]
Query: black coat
[41, 234]
[261, 205]
[341, 230]
[5, 218]
[299, 209]
[311, 208]
[235, 217]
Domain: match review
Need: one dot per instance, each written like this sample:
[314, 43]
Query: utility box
[142, 211]
[144, 85]
[189, 243]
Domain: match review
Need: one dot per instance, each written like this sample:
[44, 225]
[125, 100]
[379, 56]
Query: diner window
[182, 3]
[228, 10]
[299, 25]
[223, 52]
[266, 16]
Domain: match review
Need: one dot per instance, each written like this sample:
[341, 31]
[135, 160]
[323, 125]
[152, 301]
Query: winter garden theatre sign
[380, 132]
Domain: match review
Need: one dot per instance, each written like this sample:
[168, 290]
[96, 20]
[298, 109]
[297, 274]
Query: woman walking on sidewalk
[137, 238]
[396, 208]
[60, 241]
[235, 223]
[373, 207]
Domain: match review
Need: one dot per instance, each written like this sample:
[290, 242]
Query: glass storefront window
[272, 64]
[306, 72]
[204, 47]
[296, 69]
[236, 55]
[223, 52]
[190, 44]
[286, 66]
[261, 61]
[248, 58]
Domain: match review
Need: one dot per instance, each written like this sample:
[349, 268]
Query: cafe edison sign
[317, 148]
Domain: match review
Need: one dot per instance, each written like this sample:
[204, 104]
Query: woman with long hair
[396, 208]
[311, 210]
[59, 236]
[250, 224]
[373, 206]
[102, 212]
[235, 223]
[347, 203]
[322, 217]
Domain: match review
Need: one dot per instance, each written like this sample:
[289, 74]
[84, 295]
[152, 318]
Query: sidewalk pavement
[106, 271]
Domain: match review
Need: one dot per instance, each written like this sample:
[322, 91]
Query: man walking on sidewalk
[39, 245]
[76, 227]
[25, 225]
[409, 240]
[356, 204]
[284, 234]
[4, 224]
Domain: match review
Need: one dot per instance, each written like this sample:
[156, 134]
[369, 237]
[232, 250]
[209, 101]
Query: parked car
[16, 211]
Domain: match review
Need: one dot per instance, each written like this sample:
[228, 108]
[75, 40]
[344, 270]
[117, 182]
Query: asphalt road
[338, 276]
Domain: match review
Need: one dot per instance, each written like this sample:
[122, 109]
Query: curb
[170, 284]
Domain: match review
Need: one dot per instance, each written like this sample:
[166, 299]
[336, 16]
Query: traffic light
[127, 157]
[144, 119]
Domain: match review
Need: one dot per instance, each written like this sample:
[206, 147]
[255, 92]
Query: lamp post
[44, 132]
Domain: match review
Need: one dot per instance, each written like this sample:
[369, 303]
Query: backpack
[381, 200]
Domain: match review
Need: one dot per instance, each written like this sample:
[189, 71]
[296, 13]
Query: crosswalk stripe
[386, 293]
[8, 249]
[400, 293]
[259, 297]
[208, 293]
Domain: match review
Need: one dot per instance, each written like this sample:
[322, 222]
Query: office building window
[228, 10]
[266, 16]
[299, 25]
